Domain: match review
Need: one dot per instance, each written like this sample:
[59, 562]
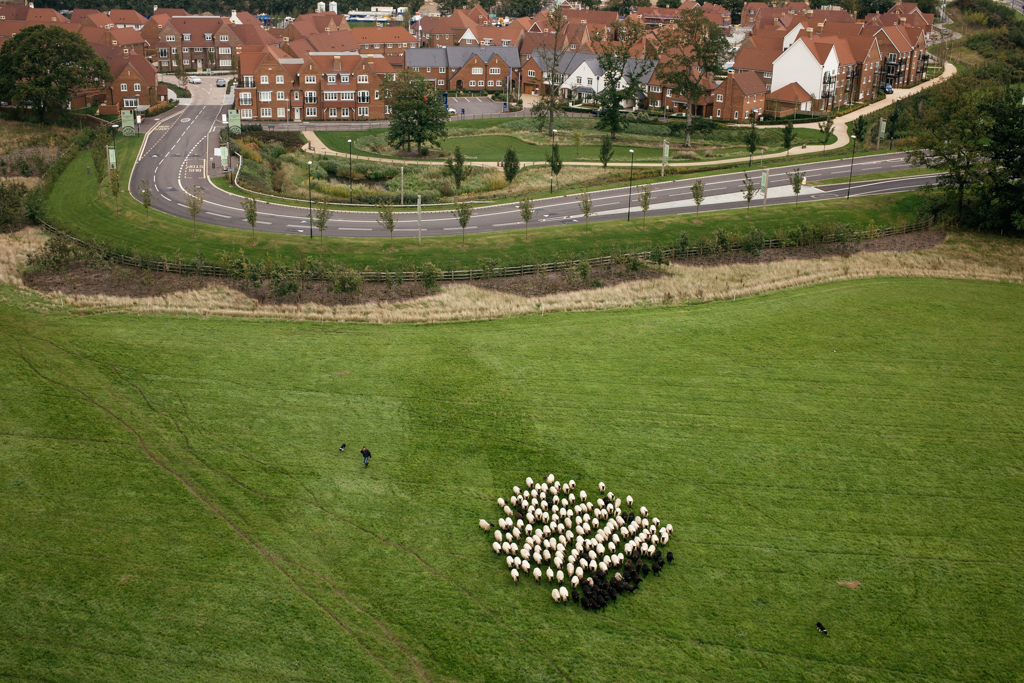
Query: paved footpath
[842, 137]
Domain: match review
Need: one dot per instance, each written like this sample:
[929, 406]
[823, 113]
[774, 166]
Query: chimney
[810, 32]
[154, 9]
[320, 7]
[903, 21]
[337, 62]
[333, 6]
[234, 17]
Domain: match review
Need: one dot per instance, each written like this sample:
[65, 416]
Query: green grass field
[87, 210]
[173, 506]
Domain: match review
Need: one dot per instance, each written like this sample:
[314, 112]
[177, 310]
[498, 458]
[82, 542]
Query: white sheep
[551, 479]
[555, 595]
[593, 565]
[572, 483]
[517, 562]
[655, 521]
[564, 592]
[643, 511]
[629, 501]
[572, 497]
[507, 510]
[485, 525]
[510, 561]
[508, 536]
[603, 567]
[583, 495]
[497, 536]
[515, 576]
[600, 485]
[645, 523]
[579, 571]
[526, 565]
[501, 502]
[618, 503]
[550, 574]
[575, 581]
[516, 490]
[516, 534]
[529, 482]
[497, 547]
[668, 527]
[537, 573]
[560, 576]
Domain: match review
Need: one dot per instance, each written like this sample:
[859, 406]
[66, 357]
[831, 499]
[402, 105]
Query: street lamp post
[762, 157]
[350, 170]
[852, 155]
[629, 202]
[309, 187]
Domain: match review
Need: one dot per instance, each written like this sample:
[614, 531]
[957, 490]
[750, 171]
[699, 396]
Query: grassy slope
[74, 204]
[866, 431]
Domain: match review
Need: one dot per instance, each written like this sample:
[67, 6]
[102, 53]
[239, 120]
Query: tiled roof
[791, 93]
[751, 59]
[749, 83]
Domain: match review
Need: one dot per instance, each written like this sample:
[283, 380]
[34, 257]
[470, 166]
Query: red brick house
[737, 97]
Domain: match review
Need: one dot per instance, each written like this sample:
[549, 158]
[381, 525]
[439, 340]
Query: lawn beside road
[174, 506]
[81, 207]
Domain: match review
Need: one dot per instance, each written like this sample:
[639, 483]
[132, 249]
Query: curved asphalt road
[179, 151]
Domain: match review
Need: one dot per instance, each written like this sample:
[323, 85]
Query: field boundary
[212, 270]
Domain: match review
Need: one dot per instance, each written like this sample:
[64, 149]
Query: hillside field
[174, 507]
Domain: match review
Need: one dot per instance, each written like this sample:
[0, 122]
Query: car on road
[887, 89]
[221, 83]
[452, 112]
[596, 112]
[194, 79]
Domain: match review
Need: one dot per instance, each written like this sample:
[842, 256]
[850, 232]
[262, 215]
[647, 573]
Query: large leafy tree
[43, 66]
[692, 50]
[417, 113]
[1005, 149]
[623, 75]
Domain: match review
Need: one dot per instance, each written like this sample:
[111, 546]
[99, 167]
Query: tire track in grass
[113, 368]
[210, 506]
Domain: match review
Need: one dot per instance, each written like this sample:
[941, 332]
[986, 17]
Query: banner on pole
[234, 122]
[111, 157]
[127, 123]
[224, 156]
[881, 128]
[664, 152]
[764, 182]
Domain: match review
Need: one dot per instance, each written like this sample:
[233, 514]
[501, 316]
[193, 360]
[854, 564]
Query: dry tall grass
[962, 256]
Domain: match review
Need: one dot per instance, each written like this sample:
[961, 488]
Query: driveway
[474, 106]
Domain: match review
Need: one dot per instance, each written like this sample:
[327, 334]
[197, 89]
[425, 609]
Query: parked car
[452, 112]
[596, 112]
[221, 83]
[887, 88]
[195, 79]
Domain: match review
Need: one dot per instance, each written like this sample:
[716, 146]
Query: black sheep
[656, 568]
[645, 570]
[657, 554]
[575, 596]
[821, 629]
[669, 556]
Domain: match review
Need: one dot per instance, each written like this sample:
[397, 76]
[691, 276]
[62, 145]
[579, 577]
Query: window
[131, 102]
[344, 112]
[344, 78]
[362, 78]
[279, 80]
[332, 113]
[348, 96]
[331, 78]
[311, 97]
[265, 113]
[719, 114]
[310, 78]
[247, 81]
[280, 95]
[364, 111]
[494, 70]
[124, 87]
[246, 113]
[163, 54]
[387, 45]
[656, 103]
[364, 95]
[477, 70]
[264, 80]
[245, 98]
[719, 98]
[572, 47]
[490, 84]
[387, 110]
[170, 39]
[208, 37]
[174, 51]
[531, 73]
[281, 112]
[441, 69]
[579, 79]
[186, 37]
[330, 97]
[655, 88]
[266, 95]
[590, 81]
[138, 87]
[224, 50]
[428, 69]
[224, 38]
[472, 84]
[310, 112]
[735, 116]
[376, 94]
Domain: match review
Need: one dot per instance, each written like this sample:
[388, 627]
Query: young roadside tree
[697, 191]
[826, 127]
[694, 49]
[249, 207]
[606, 152]
[586, 207]
[796, 181]
[749, 190]
[418, 113]
[898, 120]
[194, 204]
[115, 186]
[180, 73]
[510, 164]
[859, 127]
[386, 219]
[952, 137]
[99, 160]
[644, 199]
[788, 136]
[526, 213]
[622, 73]
[577, 139]
[456, 168]
[462, 212]
[321, 214]
[146, 195]
[752, 139]
[554, 58]
[554, 158]
[43, 66]
[12, 204]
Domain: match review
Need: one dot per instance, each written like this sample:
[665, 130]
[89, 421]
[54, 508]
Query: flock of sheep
[595, 546]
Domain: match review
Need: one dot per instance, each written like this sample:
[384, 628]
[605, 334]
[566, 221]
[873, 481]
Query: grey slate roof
[458, 56]
[426, 56]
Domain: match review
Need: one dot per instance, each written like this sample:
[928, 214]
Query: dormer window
[344, 78]
[208, 37]
[331, 78]
[186, 37]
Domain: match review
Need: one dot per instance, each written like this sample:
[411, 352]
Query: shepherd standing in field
[366, 456]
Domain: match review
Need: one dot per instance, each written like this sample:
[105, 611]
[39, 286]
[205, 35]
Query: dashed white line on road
[264, 223]
[219, 215]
